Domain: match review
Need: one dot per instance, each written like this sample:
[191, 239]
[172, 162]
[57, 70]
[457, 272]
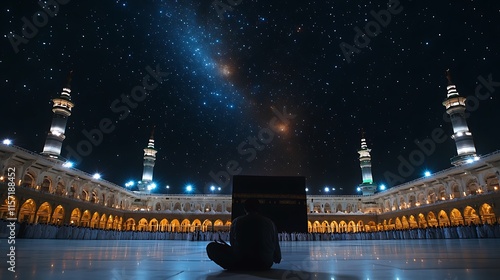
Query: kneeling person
[254, 242]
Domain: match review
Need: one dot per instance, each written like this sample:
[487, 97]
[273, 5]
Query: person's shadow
[274, 273]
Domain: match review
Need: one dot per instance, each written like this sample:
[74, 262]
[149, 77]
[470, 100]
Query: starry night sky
[229, 74]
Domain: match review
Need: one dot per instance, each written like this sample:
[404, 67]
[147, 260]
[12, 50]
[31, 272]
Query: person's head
[252, 205]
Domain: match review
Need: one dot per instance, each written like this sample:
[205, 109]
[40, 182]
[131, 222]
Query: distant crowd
[49, 231]
[443, 232]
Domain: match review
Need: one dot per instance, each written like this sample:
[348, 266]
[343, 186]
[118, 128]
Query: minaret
[367, 187]
[455, 107]
[62, 106]
[149, 164]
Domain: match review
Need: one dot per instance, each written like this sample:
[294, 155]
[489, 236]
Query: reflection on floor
[367, 259]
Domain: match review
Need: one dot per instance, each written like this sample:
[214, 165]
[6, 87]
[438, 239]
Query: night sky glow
[232, 73]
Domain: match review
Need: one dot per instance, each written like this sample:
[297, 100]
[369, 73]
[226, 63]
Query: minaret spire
[61, 107]
[455, 107]
[367, 187]
[147, 184]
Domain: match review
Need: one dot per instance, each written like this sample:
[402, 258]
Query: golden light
[282, 128]
[225, 70]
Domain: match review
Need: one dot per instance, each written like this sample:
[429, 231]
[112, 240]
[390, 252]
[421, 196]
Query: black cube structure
[282, 199]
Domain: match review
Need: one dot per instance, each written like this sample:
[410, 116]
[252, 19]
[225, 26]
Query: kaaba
[282, 199]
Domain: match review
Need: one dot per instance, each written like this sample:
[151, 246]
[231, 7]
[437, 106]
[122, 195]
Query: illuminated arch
[102, 221]
[164, 225]
[85, 220]
[371, 226]
[185, 225]
[398, 224]
[207, 225]
[343, 226]
[309, 226]
[58, 215]
[325, 227]
[456, 217]
[316, 226]
[196, 225]
[334, 226]
[431, 219]
[27, 211]
[487, 214]
[109, 224]
[219, 225]
[470, 216]
[390, 224]
[117, 223]
[351, 226]
[380, 226]
[443, 219]
[130, 224]
[94, 223]
[153, 225]
[422, 222]
[412, 223]
[143, 225]
[43, 213]
[175, 225]
[360, 226]
[404, 223]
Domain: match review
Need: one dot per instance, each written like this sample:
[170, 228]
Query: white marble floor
[368, 259]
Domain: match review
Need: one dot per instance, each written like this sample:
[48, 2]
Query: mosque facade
[42, 188]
